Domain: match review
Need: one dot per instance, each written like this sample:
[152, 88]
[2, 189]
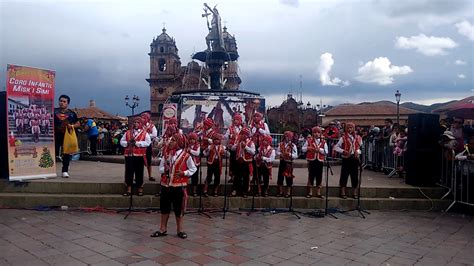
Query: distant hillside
[424, 108]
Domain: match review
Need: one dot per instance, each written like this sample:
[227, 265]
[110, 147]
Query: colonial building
[367, 114]
[92, 111]
[292, 115]
[167, 75]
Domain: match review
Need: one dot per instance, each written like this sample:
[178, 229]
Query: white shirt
[294, 151]
[135, 133]
[318, 141]
[189, 163]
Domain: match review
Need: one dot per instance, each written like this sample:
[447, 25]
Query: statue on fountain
[214, 38]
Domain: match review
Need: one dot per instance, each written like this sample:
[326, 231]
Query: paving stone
[395, 238]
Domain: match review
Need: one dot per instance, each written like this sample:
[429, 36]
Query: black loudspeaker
[3, 136]
[423, 155]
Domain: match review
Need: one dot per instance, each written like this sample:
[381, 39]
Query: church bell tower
[165, 70]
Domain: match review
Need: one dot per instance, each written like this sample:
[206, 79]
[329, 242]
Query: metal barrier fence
[463, 183]
[378, 155]
[104, 143]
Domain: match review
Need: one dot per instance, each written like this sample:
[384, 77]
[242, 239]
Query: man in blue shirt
[92, 134]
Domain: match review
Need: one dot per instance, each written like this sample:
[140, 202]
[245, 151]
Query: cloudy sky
[341, 51]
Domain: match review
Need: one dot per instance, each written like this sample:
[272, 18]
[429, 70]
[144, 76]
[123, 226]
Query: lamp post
[134, 104]
[398, 95]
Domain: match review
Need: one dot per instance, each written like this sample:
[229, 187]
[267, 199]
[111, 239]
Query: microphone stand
[290, 207]
[200, 210]
[225, 207]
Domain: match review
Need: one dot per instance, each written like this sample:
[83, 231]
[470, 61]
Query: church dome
[164, 37]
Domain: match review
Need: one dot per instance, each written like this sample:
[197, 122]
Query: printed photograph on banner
[30, 100]
[196, 108]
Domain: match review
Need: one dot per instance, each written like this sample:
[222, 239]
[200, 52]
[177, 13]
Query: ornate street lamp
[134, 104]
[398, 95]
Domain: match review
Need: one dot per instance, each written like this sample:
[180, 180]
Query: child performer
[245, 150]
[288, 152]
[264, 161]
[150, 128]
[195, 150]
[231, 136]
[349, 145]
[316, 149]
[176, 168]
[135, 141]
[214, 153]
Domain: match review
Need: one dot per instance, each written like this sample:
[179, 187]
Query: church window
[162, 64]
[162, 49]
[161, 90]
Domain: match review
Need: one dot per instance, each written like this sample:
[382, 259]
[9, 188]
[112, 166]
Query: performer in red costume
[231, 136]
[135, 141]
[349, 146]
[316, 149]
[287, 152]
[245, 150]
[264, 162]
[176, 167]
[214, 152]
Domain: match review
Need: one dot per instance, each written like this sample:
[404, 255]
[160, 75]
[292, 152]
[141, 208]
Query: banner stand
[29, 123]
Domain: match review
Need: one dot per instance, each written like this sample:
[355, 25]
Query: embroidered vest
[313, 154]
[170, 178]
[286, 151]
[132, 150]
[212, 154]
[242, 153]
[350, 146]
[266, 152]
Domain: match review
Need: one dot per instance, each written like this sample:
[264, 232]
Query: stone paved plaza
[96, 238]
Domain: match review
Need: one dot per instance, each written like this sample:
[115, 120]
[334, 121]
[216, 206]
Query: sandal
[151, 179]
[182, 235]
[245, 196]
[159, 234]
[287, 195]
[343, 196]
[140, 193]
[195, 194]
[233, 194]
[308, 196]
[127, 194]
[279, 195]
[216, 195]
[205, 195]
[319, 196]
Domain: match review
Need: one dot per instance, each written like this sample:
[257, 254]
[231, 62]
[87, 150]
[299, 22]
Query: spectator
[64, 118]
[458, 133]
[92, 134]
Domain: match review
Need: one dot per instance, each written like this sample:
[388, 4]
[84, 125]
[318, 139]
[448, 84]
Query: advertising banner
[170, 110]
[30, 103]
[195, 108]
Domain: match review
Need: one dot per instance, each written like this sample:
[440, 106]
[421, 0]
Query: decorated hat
[192, 135]
[180, 140]
[208, 122]
[245, 131]
[217, 136]
[316, 129]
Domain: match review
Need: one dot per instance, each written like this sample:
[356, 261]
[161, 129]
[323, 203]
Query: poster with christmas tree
[46, 160]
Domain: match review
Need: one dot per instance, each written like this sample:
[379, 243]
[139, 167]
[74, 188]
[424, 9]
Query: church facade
[168, 75]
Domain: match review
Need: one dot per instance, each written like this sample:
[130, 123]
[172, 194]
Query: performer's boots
[343, 193]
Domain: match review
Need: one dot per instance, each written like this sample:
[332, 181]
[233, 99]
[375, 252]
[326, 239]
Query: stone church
[167, 75]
